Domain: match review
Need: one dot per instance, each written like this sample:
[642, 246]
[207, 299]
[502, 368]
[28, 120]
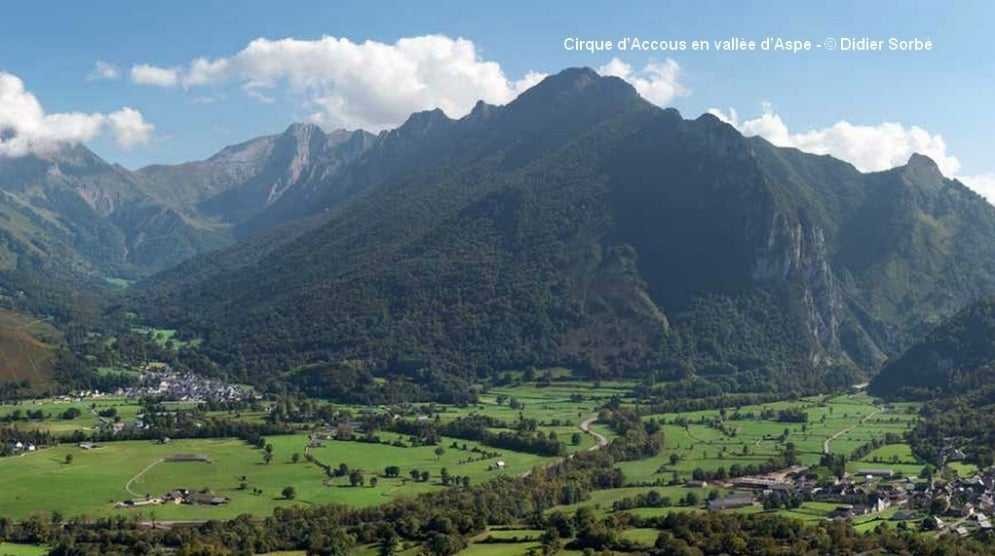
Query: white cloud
[372, 85]
[129, 127]
[658, 82]
[103, 70]
[870, 148]
[25, 127]
[983, 184]
[144, 74]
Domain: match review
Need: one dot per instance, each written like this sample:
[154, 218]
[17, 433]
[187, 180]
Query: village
[961, 505]
[160, 382]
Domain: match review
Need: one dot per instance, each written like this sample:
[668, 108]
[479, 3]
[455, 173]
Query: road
[825, 444]
[585, 426]
[127, 486]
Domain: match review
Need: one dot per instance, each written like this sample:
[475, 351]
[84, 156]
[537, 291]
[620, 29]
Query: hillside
[955, 358]
[27, 349]
[580, 225]
[68, 218]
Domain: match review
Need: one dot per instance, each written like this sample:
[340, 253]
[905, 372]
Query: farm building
[733, 501]
[874, 472]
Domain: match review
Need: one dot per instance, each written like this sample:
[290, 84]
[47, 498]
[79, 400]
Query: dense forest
[581, 226]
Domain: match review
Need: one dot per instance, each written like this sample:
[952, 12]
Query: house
[205, 499]
[184, 457]
[733, 501]
[874, 472]
[955, 454]
[756, 483]
[848, 511]
[696, 484]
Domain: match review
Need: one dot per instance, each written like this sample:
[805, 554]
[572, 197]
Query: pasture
[696, 439]
[96, 479]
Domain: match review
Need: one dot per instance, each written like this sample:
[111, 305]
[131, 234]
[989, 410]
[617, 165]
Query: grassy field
[897, 457]
[558, 407]
[601, 500]
[11, 549]
[841, 423]
[97, 478]
[165, 337]
[88, 420]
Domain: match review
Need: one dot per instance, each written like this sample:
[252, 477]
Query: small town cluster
[959, 505]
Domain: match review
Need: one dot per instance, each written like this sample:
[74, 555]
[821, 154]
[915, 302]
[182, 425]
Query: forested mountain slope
[581, 225]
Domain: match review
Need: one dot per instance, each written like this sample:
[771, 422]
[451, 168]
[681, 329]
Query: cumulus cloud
[25, 128]
[983, 184]
[658, 82]
[870, 148]
[129, 127]
[371, 85]
[102, 71]
[144, 74]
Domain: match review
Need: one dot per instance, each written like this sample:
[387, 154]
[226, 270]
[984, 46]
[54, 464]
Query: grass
[166, 337]
[88, 420]
[11, 549]
[42, 481]
[601, 501]
[897, 457]
[643, 537]
[846, 422]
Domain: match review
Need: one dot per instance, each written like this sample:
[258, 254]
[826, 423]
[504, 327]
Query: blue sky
[53, 48]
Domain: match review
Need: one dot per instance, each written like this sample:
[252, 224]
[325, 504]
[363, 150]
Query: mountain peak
[922, 166]
[298, 129]
[425, 121]
[574, 80]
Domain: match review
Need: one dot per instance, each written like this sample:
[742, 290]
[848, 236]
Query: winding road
[585, 426]
[825, 444]
[127, 486]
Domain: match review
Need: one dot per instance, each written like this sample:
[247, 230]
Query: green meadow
[11, 549]
[97, 478]
[841, 423]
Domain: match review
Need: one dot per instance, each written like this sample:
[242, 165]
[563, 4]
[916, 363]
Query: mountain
[67, 217]
[244, 180]
[581, 225]
[955, 358]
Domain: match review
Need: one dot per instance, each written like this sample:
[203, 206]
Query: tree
[289, 492]
[356, 477]
[295, 458]
[575, 440]
[373, 482]
[391, 471]
[439, 450]
[387, 541]
[69, 459]
[267, 457]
